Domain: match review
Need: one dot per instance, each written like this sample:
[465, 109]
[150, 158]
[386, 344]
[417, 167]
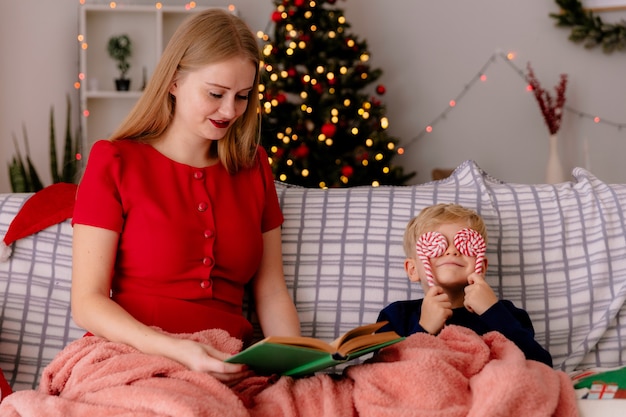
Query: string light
[508, 58]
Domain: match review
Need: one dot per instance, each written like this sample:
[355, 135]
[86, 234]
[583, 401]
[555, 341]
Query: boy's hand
[436, 309]
[479, 296]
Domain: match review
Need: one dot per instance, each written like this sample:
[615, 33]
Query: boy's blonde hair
[431, 217]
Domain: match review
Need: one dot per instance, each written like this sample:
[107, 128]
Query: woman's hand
[205, 358]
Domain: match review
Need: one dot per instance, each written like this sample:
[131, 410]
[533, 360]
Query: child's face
[451, 269]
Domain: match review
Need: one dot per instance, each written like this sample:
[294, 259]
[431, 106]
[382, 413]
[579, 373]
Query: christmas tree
[319, 126]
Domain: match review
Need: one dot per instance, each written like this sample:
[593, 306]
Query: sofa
[556, 250]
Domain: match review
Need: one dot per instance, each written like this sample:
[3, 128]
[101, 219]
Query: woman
[177, 211]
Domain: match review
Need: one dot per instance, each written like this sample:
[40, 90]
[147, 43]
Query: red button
[205, 284]
[208, 233]
[202, 206]
[198, 175]
[207, 261]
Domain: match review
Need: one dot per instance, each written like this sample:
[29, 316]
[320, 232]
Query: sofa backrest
[558, 251]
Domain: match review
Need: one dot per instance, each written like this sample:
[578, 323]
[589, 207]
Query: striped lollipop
[430, 245]
[471, 243]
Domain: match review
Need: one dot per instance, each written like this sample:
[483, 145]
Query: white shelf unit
[149, 29]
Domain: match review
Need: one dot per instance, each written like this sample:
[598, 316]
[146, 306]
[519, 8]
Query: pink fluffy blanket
[457, 373]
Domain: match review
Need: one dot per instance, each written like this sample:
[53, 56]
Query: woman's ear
[411, 269]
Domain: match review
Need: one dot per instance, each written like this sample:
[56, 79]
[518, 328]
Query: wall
[429, 52]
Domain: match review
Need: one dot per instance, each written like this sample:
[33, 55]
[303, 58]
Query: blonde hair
[208, 37]
[431, 217]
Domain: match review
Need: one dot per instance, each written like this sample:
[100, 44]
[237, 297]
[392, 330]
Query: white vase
[554, 169]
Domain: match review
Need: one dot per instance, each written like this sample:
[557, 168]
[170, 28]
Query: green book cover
[298, 356]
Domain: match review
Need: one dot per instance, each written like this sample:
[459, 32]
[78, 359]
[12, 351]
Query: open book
[297, 356]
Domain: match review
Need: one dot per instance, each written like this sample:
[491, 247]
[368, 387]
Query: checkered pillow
[35, 319]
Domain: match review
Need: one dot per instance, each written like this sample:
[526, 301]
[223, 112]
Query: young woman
[177, 211]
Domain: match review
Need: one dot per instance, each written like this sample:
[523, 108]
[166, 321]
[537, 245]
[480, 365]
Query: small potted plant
[120, 49]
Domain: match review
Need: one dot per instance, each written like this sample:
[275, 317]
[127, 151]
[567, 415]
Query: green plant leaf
[69, 160]
[54, 166]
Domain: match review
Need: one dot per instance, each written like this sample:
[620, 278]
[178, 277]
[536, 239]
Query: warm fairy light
[375, 184]
[482, 77]
[400, 151]
[364, 57]
[384, 122]
[159, 5]
[81, 38]
[76, 85]
[84, 45]
[86, 113]
[112, 5]
[81, 76]
[305, 172]
[232, 7]
[452, 103]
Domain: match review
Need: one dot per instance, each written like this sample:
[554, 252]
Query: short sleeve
[98, 201]
[272, 214]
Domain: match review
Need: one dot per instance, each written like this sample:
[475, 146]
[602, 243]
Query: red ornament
[291, 72]
[329, 130]
[301, 152]
[347, 171]
[279, 153]
[318, 88]
[276, 17]
[299, 3]
[281, 98]
[380, 89]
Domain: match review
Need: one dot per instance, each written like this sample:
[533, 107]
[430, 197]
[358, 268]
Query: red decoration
[276, 17]
[299, 3]
[318, 88]
[380, 89]
[347, 171]
[329, 130]
[551, 108]
[281, 98]
[291, 72]
[301, 152]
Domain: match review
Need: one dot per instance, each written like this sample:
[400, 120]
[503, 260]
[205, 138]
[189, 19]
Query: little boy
[458, 293]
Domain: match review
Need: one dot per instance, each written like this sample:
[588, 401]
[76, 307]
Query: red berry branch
[551, 108]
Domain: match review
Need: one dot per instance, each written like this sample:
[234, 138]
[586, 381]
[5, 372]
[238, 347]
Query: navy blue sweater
[514, 323]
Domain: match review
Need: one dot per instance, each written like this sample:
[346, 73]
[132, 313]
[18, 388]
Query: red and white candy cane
[430, 245]
[471, 243]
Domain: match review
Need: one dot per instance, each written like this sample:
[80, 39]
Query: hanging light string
[480, 76]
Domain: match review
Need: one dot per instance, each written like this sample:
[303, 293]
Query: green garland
[588, 28]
